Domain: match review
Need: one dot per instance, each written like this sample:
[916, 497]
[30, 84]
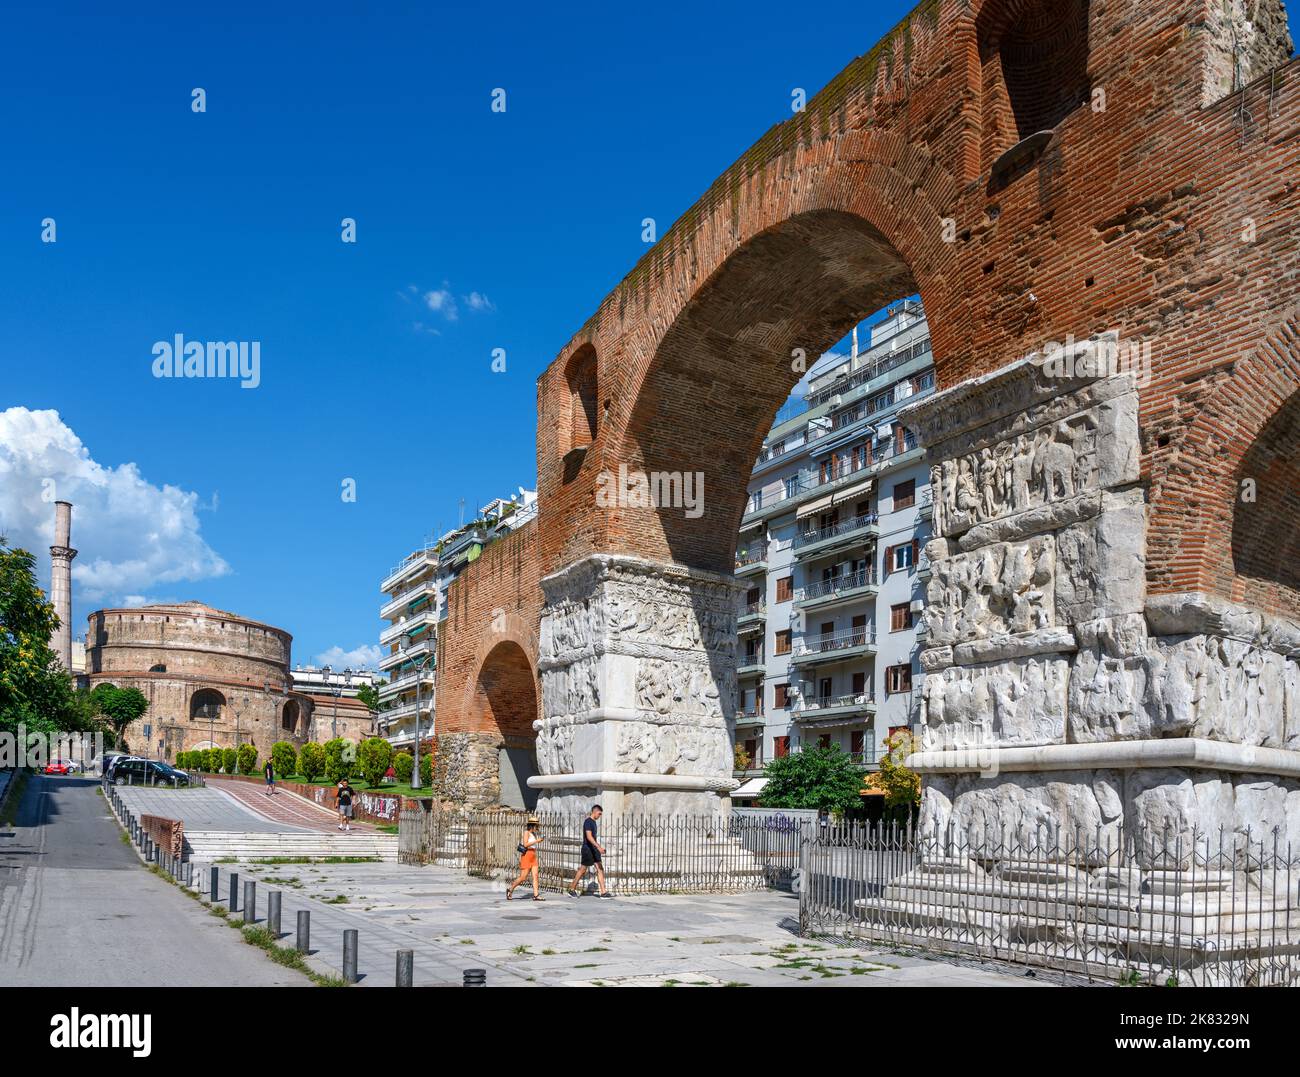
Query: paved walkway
[289, 809]
[77, 908]
[453, 922]
[202, 809]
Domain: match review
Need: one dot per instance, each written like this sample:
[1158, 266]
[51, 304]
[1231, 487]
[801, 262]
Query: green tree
[119, 707]
[340, 759]
[426, 769]
[369, 695]
[182, 760]
[375, 755]
[404, 767]
[35, 690]
[284, 758]
[229, 760]
[311, 761]
[901, 786]
[247, 758]
[205, 759]
[822, 778]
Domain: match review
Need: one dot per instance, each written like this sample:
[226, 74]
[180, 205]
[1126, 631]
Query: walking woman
[528, 858]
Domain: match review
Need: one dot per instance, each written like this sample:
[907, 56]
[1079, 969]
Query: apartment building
[416, 590]
[830, 548]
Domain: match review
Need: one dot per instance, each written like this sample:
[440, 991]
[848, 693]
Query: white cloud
[366, 656]
[132, 535]
[478, 301]
[442, 302]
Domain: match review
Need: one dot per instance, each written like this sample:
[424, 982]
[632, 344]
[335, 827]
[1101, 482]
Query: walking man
[344, 796]
[592, 851]
[269, 771]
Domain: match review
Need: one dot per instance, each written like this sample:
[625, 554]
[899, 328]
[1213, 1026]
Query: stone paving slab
[453, 922]
[201, 809]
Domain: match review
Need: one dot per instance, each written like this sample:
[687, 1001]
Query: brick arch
[793, 266]
[503, 696]
[1247, 426]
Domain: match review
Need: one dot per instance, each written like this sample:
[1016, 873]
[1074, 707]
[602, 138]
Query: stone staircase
[215, 845]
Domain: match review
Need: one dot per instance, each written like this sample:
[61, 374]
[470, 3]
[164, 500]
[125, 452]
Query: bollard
[405, 968]
[250, 901]
[216, 883]
[304, 931]
[146, 847]
[475, 978]
[273, 913]
[234, 891]
[350, 955]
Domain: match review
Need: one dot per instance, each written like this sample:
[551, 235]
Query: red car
[58, 766]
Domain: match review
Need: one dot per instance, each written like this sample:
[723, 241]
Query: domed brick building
[212, 678]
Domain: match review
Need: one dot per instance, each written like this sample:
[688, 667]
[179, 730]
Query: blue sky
[475, 230]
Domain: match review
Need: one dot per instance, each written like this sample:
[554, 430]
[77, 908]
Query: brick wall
[167, 834]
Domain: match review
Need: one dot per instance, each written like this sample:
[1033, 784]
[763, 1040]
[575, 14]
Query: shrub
[404, 765]
[823, 778]
[426, 769]
[284, 758]
[247, 758]
[229, 760]
[311, 761]
[179, 764]
[203, 758]
[375, 755]
[340, 760]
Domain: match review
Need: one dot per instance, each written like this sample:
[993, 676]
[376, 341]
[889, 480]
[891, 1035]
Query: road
[77, 908]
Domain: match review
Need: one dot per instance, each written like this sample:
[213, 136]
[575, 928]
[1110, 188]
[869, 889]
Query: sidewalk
[284, 807]
[454, 922]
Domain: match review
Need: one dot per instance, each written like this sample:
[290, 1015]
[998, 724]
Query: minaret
[61, 555]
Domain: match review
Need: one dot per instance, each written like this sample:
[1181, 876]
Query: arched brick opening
[1265, 551]
[205, 704]
[580, 420]
[731, 358]
[289, 716]
[504, 702]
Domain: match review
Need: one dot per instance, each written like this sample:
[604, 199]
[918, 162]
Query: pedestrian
[592, 851]
[527, 847]
[344, 797]
[269, 771]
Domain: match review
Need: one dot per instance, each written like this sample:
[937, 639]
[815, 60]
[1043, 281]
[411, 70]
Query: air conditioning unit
[835, 399]
[917, 605]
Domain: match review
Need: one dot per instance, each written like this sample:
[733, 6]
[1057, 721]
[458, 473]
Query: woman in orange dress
[528, 858]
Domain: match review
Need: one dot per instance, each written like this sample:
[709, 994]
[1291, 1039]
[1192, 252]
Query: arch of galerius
[1098, 206]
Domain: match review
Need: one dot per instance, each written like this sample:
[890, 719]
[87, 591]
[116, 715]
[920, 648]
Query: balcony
[394, 631]
[751, 665]
[752, 560]
[925, 503]
[406, 712]
[461, 548]
[408, 566]
[923, 570]
[749, 719]
[753, 614]
[835, 646]
[842, 588]
[817, 708]
[846, 533]
[428, 643]
[407, 682]
[398, 603]
[869, 371]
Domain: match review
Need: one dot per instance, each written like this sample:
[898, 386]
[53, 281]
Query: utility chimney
[61, 555]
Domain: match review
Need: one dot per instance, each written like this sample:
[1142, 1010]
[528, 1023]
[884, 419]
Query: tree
[205, 759]
[311, 761]
[340, 759]
[369, 695]
[247, 758]
[426, 769]
[229, 760]
[284, 758]
[902, 787]
[403, 767]
[375, 755]
[821, 778]
[35, 690]
[119, 707]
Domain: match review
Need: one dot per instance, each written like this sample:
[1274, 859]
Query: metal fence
[1121, 905]
[643, 853]
[431, 833]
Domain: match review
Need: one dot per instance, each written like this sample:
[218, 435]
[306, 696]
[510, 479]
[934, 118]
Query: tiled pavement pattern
[199, 809]
[283, 807]
[453, 922]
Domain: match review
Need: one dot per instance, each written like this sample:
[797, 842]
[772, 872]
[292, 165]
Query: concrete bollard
[215, 876]
[273, 912]
[250, 901]
[304, 931]
[350, 955]
[234, 891]
[405, 968]
[475, 978]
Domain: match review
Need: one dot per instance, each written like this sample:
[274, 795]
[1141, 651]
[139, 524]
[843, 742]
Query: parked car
[110, 760]
[59, 766]
[136, 771]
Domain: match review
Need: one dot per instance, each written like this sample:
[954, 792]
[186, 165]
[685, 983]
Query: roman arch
[1104, 239]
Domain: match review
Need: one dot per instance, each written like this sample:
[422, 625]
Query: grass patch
[285, 955]
[337, 899]
[596, 950]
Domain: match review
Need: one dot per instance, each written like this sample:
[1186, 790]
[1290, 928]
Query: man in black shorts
[592, 851]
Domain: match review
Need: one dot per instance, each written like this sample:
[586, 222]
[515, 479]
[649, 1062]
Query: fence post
[304, 931]
[273, 912]
[350, 955]
[405, 968]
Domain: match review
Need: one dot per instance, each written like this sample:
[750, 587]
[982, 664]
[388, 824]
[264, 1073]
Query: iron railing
[830, 642]
[752, 555]
[835, 530]
[643, 853]
[845, 581]
[431, 833]
[1124, 905]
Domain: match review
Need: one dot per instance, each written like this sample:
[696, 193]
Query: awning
[851, 492]
[750, 788]
[814, 506]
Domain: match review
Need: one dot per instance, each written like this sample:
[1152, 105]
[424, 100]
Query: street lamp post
[336, 691]
[404, 644]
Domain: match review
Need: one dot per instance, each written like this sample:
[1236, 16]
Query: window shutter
[916, 554]
[889, 562]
